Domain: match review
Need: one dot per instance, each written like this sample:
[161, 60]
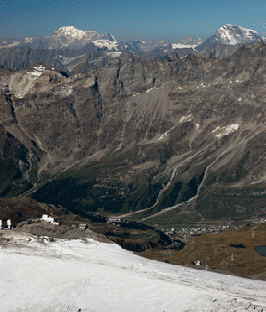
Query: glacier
[89, 276]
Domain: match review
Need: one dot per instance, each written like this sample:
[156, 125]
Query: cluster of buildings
[46, 218]
[188, 230]
[8, 225]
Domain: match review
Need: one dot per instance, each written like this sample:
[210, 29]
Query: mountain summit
[72, 33]
[227, 39]
[69, 36]
[232, 34]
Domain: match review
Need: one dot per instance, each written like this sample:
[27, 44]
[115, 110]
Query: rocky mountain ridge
[179, 137]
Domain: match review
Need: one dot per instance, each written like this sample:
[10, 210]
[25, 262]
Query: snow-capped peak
[67, 36]
[233, 34]
[72, 32]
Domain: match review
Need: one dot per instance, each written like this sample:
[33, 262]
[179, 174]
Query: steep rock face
[15, 165]
[161, 135]
[23, 56]
[19, 155]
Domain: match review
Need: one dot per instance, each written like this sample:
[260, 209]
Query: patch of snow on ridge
[110, 45]
[37, 71]
[9, 45]
[186, 118]
[183, 46]
[149, 90]
[226, 130]
[92, 276]
[163, 136]
[166, 134]
[114, 54]
[21, 83]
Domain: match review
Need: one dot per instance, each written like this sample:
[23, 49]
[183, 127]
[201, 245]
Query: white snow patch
[110, 45]
[226, 130]
[28, 39]
[150, 90]
[164, 135]
[183, 46]
[201, 85]
[186, 118]
[92, 276]
[21, 83]
[37, 71]
[114, 54]
[35, 74]
[4, 44]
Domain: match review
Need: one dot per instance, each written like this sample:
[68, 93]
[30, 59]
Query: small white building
[197, 262]
[48, 219]
[83, 226]
[9, 224]
[114, 220]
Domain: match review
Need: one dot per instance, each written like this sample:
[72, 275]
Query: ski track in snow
[65, 276]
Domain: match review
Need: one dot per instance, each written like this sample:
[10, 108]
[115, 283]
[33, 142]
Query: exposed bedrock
[138, 134]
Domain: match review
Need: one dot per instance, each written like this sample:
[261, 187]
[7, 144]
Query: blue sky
[135, 19]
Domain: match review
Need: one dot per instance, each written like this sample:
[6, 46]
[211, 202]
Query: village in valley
[186, 231]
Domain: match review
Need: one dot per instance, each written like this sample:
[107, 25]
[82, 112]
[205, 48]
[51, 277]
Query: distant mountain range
[72, 38]
[136, 127]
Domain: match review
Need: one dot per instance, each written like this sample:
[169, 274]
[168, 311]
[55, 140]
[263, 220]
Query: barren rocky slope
[125, 134]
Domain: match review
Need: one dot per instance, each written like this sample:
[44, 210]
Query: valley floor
[89, 276]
